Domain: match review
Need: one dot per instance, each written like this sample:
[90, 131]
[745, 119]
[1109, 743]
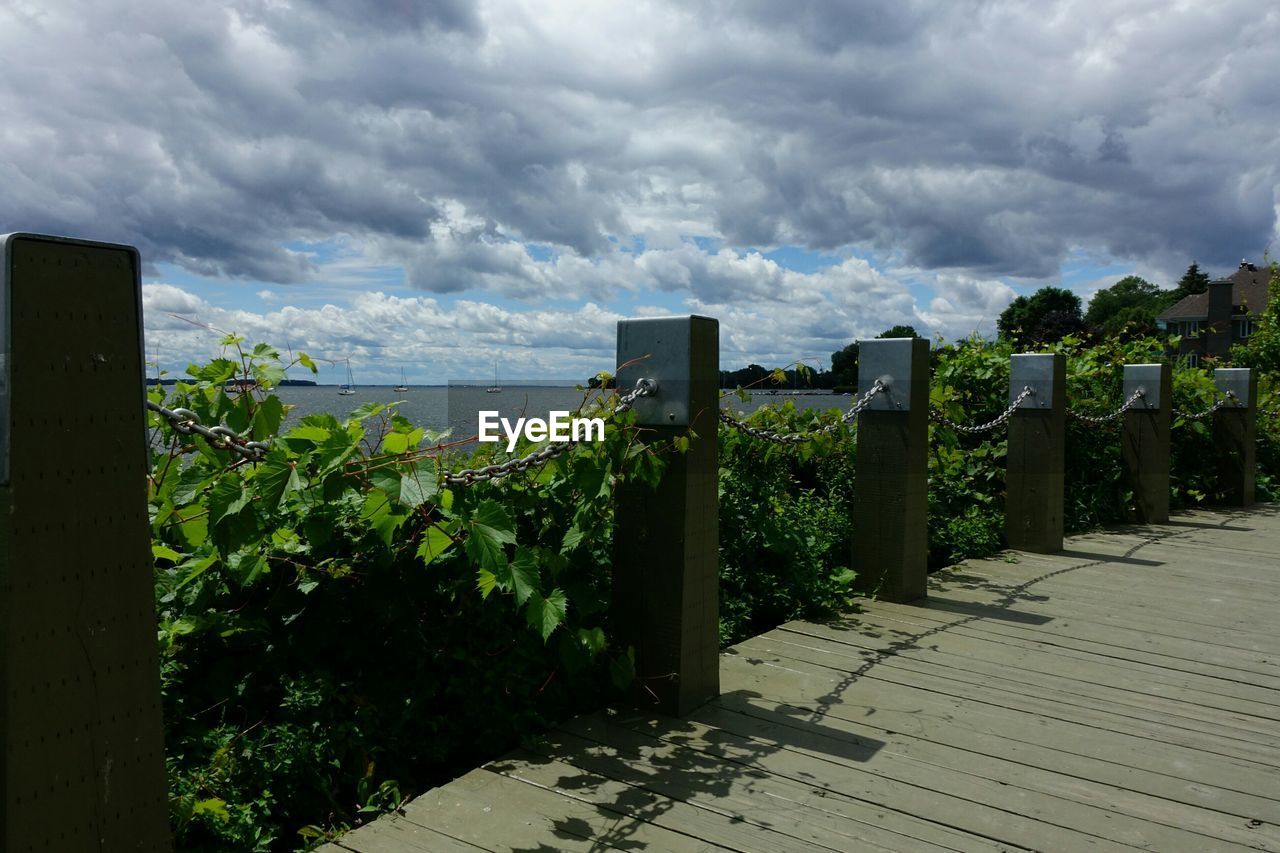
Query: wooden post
[891, 499]
[1235, 433]
[79, 671]
[1036, 454]
[665, 596]
[1144, 442]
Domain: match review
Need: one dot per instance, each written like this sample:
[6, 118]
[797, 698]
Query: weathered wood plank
[1124, 694]
[712, 803]
[824, 691]
[986, 653]
[940, 655]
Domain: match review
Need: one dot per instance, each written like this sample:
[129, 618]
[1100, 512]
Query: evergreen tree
[1192, 281]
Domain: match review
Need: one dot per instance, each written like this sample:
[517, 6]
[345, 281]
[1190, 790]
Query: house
[1211, 322]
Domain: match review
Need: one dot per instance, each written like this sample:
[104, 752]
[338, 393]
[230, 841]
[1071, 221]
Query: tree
[1192, 281]
[1131, 304]
[844, 365]
[899, 331]
[1046, 315]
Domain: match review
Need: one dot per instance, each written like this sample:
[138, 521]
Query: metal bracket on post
[1034, 371]
[1237, 382]
[657, 348]
[1146, 378]
[888, 360]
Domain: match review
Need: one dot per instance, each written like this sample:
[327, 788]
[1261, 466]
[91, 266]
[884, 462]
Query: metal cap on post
[1037, 453]
[80, 704]
[1235, 434]
[891, 502]
[1145, 440]
[665, 595]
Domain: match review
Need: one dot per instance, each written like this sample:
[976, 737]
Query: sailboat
[496, 389]
[404, 384]
[350, 388]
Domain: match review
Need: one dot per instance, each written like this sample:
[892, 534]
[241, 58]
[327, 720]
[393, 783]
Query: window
[1194, 328]
[1193, 359]
[1244, 327]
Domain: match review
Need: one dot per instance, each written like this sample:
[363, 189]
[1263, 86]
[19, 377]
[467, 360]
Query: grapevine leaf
[416, 488]
[435, 541]
[546, 614]
[226, 498]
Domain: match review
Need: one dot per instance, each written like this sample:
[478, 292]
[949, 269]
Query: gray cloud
[980, 138]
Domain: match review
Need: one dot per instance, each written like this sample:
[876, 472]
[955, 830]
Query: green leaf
[267, 418]
[496, 517]
[593, 639]
[276, 478]
[162, 552]
[366, 410]
[226, 498]
[416, 488]
[213, 807]
[396, 442]
[521, 575]
[572, 538]
[246, 568]
[545, 614]
[305, 361]
[435, 541]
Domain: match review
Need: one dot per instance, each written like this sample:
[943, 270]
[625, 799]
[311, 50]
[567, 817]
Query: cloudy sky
[439, 185]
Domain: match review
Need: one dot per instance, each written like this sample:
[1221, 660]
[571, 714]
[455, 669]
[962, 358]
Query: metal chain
[989, 425]
[187, 422]
[1220, 404]
[1102, 419]
[799, 437]
[467, 476]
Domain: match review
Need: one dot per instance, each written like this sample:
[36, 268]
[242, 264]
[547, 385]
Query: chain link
[187, 422]
[799, 437]
[999, 420]
[1220, 404]
[468, 476]
[1102, 419]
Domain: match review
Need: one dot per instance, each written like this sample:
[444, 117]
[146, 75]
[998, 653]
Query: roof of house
[1248, 288]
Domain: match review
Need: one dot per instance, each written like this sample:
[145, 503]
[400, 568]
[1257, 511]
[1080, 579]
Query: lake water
[437, 407]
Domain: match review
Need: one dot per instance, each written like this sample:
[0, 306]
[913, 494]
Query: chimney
[1218, 333]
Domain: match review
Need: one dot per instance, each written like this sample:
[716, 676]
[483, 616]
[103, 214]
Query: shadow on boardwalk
[1120, 693]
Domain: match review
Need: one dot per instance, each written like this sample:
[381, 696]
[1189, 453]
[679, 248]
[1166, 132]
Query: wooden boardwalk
[1124, 693]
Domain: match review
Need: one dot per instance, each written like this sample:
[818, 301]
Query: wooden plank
[500, 813]
[976, 621]
[979, 653]
[394, 834]
[1008, 814]
[715, 802]
[1072, 686]
[818, 689]
[969, 748]
[884, 751]
[1034, 703]
[832, 785]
